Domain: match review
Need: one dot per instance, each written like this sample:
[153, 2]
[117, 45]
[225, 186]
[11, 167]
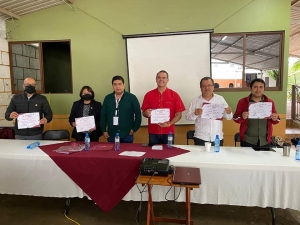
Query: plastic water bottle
[217, 144]
[170, 140]
[33, 145]
[298, 151]
[87, 142]
[117, 142]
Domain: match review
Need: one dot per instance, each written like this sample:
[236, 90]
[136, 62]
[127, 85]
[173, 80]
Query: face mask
[30, 89]
[86, 97]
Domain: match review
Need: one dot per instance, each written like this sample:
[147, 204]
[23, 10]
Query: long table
[234, 176]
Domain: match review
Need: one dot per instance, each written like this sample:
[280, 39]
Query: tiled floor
[29, 210]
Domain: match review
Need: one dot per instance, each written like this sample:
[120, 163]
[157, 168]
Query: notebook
[186, 175]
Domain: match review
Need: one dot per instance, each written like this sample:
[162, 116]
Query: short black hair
[117, 77]
[163, 71]
[207, 78]
[89, 90]
[257, 80]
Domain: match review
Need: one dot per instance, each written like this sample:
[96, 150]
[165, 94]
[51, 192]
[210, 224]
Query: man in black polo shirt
[255, 132]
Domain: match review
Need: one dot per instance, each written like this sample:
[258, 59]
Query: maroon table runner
[103, 175]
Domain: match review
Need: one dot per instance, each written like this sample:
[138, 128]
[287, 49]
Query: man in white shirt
[207, 129]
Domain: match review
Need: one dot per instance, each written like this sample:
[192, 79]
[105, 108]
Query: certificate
[84, 123]
[160, 115]
[213, 111]
[260, 110]
[28, 120]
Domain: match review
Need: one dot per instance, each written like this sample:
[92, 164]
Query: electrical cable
[170, 190]
[175, 198]
[68, 201]
[233, 14]
[177, 214]
[94, 17]
[71, 219]
[138, 212]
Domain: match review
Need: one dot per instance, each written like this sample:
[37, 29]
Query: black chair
[237, 138]
[189, 135]
[56, 135]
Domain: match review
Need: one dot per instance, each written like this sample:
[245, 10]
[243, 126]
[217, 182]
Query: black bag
[7, 133]
[295, 140]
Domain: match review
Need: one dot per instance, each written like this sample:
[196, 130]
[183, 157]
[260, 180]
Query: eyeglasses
[29, 84]
[207, 86]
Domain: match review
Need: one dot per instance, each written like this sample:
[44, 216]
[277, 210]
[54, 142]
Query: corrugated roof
[17, 8]
[295, 29]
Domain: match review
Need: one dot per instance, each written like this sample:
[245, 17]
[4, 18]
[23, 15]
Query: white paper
[28, 120]
[213, 111]
[132, 153]
[260, 110]
[157, 147]
[84, 123]
[160, 115]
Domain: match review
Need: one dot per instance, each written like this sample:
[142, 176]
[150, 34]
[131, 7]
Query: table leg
[67, 204]
[188, 205]
[150, 212]
[273, 216]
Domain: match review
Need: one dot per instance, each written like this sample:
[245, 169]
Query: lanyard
[117, 104]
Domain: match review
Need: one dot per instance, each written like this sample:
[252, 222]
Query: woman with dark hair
[86, 106]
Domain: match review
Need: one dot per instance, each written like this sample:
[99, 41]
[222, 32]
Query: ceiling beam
[294, 2]
[9, 13]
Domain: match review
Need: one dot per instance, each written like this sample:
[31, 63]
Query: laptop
[186, 175]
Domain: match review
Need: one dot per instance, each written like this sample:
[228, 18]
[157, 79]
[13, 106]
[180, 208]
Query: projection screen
[185, 56]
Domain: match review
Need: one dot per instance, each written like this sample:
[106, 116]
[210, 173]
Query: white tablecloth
[234, 176]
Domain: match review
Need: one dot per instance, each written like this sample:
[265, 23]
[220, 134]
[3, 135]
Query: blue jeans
[155, 139]
[127, 139]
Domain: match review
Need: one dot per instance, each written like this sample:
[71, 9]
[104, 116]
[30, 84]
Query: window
[48, 62]
[242, 57]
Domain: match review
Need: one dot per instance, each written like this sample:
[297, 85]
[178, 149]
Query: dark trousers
[201, 142]
[155, 139]
[127, 139]
[94, 136]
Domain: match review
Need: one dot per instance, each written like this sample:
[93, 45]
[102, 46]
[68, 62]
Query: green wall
[95, 28]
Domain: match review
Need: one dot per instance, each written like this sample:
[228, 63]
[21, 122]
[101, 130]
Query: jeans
[155, 139]
[127, 139]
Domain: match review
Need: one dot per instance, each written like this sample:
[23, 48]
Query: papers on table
[260, 110]
[132, 153]
[28, 120]
[84, 123]
[157, 147]
[213, 111]
[160, 115]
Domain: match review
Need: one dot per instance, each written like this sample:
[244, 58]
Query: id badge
[116, 120]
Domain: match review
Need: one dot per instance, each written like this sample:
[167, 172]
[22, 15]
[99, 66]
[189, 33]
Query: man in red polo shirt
[162, 98]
